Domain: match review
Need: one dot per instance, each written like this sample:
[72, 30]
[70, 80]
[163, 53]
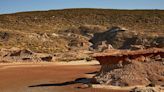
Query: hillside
[74, 29]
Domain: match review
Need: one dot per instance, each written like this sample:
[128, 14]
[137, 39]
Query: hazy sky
[11, 6]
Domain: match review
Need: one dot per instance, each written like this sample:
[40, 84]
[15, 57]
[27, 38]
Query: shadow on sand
[79, 80]
[96, 72]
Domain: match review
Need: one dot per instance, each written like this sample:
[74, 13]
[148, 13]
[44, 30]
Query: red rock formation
[130, 68]
[116, 56]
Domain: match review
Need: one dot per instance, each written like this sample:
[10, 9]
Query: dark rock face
[48, 58]
[107, 36]
[121, 38]
[130, 68]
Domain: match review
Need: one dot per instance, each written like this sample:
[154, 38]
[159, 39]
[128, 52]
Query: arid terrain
[57, 31]
[82, 50]
[46, 77]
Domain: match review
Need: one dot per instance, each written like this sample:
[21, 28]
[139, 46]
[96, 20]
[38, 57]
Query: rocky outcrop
[108, 37]
[19, 55]
[26, 55]
[116, 56]
[121, 38]
[130, 68]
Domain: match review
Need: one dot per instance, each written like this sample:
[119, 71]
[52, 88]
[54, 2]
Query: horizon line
[72, 8]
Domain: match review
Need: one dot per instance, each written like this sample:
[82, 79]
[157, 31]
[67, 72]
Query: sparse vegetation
[72, 27]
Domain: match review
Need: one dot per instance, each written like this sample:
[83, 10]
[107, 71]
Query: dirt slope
[72, 29]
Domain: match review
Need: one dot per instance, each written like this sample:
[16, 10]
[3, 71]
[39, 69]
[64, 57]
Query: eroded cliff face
[131, 68]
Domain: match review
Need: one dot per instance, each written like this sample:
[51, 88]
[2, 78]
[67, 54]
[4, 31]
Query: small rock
[151, 85]
[144, 89]
[47, 58]
[147, 59]
[163, 63]
[158, 57]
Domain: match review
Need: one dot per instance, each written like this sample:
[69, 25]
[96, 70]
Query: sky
[12, 6]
